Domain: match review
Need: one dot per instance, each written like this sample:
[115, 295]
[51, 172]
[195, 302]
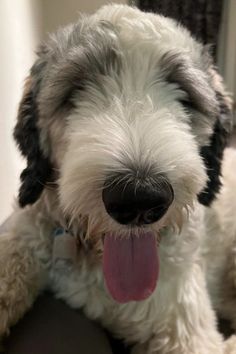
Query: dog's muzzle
[138, 202]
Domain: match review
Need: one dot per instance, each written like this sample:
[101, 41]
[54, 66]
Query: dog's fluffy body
[109, 95]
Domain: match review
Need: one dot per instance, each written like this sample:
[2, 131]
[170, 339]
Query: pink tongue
[130, 266]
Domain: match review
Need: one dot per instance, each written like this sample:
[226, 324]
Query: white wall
[227, 47]
[20, 29]
[60, 12]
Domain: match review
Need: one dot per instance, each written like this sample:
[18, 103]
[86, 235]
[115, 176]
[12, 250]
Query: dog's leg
[188, 326]
[24, 260]
[229, 348]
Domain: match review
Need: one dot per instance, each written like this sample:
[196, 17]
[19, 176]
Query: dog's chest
[83, 287]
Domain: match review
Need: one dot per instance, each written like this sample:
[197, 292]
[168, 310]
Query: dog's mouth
[131, 265]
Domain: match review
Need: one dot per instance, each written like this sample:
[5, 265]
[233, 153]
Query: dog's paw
[146, 349]
[230, 345]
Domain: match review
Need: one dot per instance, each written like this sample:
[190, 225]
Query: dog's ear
[212, 153]
[27, 135]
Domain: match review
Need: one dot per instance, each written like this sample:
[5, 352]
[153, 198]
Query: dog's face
[127, 108]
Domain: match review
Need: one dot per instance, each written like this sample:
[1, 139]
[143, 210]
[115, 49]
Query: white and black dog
[122, 208]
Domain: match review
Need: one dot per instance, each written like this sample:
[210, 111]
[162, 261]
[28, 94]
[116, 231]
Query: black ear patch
[26, 133]
[213, 153]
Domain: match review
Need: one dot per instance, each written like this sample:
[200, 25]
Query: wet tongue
[130, 266]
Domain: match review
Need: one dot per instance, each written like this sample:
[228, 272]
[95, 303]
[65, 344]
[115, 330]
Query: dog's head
[129, 111]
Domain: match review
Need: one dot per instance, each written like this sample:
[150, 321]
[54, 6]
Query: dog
[126, 205]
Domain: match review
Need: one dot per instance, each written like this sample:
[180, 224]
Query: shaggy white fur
[147, 101]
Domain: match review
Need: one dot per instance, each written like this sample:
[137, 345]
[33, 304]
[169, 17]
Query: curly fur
[131, 93]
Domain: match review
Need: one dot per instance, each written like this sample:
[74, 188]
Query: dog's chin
[131, 264]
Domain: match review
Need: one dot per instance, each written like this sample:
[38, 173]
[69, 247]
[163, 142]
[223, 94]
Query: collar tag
[64, 249]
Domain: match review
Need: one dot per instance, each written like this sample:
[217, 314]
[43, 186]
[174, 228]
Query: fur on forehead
[79, 56]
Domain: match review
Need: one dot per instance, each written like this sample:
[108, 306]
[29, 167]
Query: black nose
[137, 202]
